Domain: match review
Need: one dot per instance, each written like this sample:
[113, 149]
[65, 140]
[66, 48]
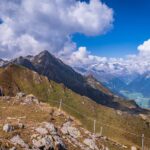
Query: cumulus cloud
[144, 48]
[29, 26]
[132, 64]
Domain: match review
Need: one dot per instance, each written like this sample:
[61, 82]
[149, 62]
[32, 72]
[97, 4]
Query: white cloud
[131, 64]
[145, 48]
[30, 26]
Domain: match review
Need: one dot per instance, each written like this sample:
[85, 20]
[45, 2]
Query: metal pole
[60, 104]
[142, 141]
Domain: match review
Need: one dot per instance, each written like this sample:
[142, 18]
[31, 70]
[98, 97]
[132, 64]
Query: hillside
[114, 122]
[97, 85]
[48, 65]
[28, 124]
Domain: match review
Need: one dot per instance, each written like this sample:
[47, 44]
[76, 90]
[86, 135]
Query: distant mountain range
[120, 84]
[48, 65]
[123, 83]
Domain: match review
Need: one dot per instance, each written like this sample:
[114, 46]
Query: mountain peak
[45, 53]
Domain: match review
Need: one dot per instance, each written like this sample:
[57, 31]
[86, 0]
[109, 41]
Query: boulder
[44, 143]
[50, 127]
[8, 128]
[67, 128]
[17, 140]
[41, 131]
[90, 143]
[59, 143]
[74, 132]
[20, 95]
[29, 99]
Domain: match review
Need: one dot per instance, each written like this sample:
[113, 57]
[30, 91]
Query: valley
[142, 101]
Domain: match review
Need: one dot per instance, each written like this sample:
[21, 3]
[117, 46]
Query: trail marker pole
[101, 131]
[60, 104]
[142, 141]
[94, 127]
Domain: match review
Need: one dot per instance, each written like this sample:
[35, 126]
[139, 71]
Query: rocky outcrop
[43, 143]
[17, 140]
[90, 143]
[26, 99]
[67, 128]
[8, 128]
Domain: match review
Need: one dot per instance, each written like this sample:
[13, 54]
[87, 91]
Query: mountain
[115, 123]
[112, 82]
[116, 85]
[97, 85]
[48, 65]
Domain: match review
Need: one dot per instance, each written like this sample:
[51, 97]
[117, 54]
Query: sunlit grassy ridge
[117, 126]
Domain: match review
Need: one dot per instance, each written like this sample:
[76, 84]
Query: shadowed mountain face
[47, 65]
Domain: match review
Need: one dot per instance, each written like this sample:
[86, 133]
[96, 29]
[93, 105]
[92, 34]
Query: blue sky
[130, 29]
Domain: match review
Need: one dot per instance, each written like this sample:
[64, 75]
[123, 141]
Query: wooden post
[101, 131]
[94, 127]
[60, 104]
[142, 141]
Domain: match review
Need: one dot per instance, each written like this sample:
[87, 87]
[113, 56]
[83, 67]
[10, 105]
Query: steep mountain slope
[47, 65]
[97, 85]
[111, 81]
[16, 78]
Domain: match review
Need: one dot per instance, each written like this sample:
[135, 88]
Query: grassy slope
[16, 78]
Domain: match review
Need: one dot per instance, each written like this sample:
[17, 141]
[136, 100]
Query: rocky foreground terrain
[26, 123]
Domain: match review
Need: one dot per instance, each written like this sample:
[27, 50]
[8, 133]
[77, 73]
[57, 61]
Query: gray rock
[68, 129]
[90, 143]
[8, 128]
[76, 143]
[29, 99]
[20, 95]
[42, 131]
[50, 127]
[44, 143]
[74, 132]
[17, 140]
[59, 143]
